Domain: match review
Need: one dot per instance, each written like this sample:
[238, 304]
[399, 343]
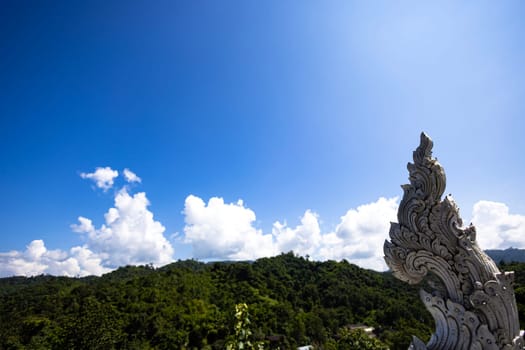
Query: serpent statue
[470, 299]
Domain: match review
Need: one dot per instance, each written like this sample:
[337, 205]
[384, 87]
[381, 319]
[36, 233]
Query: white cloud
[218, 230]
[223, 231]
[496, 228]
[89, 262]
[130, 176]
[360, 235]
[103, 177]
[130, 234]
[37, 259]
[303, 239]
[85, 226]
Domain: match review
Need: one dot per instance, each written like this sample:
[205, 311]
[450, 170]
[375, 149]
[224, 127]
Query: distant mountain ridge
[506, 255]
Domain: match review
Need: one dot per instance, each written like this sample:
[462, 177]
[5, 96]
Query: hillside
[188, 304]
[508, 255]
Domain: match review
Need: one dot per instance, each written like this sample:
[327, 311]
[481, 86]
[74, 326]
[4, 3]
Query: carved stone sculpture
[471, 301]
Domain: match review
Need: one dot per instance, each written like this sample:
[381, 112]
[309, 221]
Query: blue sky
[254, 127]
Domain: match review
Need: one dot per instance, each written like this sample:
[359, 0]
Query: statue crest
[470, 299]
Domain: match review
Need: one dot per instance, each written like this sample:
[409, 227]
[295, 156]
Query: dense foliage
[191, 305]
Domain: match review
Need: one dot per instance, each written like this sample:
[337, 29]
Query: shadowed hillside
[507, 255]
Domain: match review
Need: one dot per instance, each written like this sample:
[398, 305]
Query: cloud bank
[217, 230]
[225, 231]
[37, 259]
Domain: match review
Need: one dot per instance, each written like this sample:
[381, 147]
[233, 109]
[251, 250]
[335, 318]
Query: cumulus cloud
[37, 259]
[85, 225]
[304, 239]
[360, 235]
[103, 177]
[131, 177]
[496, 228]
[226, 231]
[223, 231]
[219, 230]
[130, 234]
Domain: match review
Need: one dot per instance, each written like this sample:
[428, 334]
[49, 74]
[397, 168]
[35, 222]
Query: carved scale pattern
[472, 302]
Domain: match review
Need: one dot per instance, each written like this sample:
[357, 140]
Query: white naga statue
[471, 300]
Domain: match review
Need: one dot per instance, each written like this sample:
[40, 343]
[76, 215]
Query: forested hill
[191, 305]
[507, 255]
